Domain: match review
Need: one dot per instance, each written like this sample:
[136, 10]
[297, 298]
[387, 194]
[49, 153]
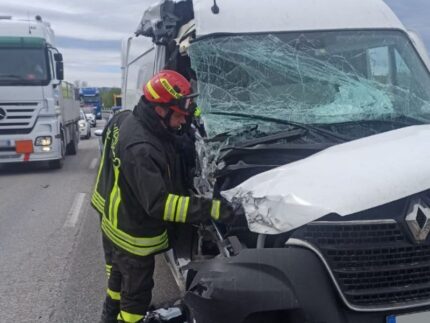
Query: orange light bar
[24, 146]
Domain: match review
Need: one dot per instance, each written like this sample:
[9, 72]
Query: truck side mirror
[60, 70]
[58, 57]
[98, 132]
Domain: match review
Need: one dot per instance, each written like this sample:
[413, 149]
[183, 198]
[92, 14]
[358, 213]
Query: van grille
[375, 264]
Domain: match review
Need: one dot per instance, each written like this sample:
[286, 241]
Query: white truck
[39, 112]
[294, 83]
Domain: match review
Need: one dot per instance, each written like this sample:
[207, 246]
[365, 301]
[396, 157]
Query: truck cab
[34, 123]
[90, 97]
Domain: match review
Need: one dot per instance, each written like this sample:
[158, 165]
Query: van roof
[253, 16]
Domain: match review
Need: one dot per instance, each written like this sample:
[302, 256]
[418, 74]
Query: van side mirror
[60, 70]
[58, 57]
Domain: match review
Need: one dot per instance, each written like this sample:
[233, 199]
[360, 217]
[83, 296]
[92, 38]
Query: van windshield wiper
[307, 127]
[401, 120]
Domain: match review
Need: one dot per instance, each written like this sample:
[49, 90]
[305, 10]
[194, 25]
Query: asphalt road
[51, 259]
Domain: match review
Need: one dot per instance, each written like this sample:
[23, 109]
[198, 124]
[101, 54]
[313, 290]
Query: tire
[72, 146]
[58, 163]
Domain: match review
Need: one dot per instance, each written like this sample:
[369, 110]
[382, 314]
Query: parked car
[84, 126]
[91, 117]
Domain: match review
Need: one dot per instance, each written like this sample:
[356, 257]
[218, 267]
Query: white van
[280, 81]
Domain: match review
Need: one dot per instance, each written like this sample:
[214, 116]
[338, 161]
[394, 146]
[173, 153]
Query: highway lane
[51, 259]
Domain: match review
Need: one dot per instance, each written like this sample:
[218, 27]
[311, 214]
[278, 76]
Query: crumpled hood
[343, 179]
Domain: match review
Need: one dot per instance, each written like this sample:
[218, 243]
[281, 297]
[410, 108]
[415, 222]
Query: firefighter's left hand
[230, 212]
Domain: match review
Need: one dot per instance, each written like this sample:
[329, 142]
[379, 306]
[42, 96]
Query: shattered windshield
[320, 78]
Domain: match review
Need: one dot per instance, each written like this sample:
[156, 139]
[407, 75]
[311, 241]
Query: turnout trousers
[130, 285]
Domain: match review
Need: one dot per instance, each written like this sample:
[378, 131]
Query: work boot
[110, 311]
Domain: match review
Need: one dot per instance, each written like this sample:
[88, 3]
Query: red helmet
[171, 89]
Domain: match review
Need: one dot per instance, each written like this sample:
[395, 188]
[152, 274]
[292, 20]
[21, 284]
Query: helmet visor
[185, 104]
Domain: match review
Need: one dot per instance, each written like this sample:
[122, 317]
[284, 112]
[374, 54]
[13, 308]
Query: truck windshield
[23, 66]
[324, 77]
[90, 99]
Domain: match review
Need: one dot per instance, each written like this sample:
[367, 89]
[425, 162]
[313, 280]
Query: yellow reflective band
[134, 245]
[169, 88]
[166, 206]
[139, 242]
[116, 296]
[97, 199]
[152, 91]
[197, 112]
[139, 251]
[182, 209]
[98, 207]
[115, 199]
[129, 317]
[216, 204]
[105, 148]
[170, 207]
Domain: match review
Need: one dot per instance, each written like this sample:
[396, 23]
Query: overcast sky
[89, 32]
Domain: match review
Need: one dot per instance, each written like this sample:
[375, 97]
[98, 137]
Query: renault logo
[418, 220]
[2, 114]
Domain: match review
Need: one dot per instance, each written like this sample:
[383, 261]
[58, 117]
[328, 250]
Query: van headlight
[82, 124]
[43, 141]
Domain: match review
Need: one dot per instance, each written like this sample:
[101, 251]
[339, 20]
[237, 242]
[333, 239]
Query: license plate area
[422, 317]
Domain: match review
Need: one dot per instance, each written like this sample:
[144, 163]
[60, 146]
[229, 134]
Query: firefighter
[138, 192]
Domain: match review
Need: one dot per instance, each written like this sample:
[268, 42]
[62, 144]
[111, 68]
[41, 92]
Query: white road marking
[75, 210]
[94, 163]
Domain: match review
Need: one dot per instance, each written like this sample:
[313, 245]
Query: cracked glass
[323, 77]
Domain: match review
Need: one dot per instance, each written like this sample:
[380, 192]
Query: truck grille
[374, 263]
[20, 117]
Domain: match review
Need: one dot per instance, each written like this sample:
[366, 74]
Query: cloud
[414, 15]
[98, 68]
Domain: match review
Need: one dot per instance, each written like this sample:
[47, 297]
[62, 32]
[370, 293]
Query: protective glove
[228, 212]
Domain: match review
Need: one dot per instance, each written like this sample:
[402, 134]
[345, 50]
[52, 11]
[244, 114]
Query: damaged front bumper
[271, 285]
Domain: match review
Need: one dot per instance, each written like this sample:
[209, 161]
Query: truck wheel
[72, 146]
[58, 163]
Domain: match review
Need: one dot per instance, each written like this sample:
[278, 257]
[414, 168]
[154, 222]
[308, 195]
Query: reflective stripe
[182, 209]
[115, 198]
[169, 88]
[129, 317]
[170, 207]
[166, 206]
[116, 296]
[108, 270]
[105, 148]
[216, 204]
[197, 112]
[98, 202]
[152, 91]
[97, 197]
[98, 207]
[136, 246]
